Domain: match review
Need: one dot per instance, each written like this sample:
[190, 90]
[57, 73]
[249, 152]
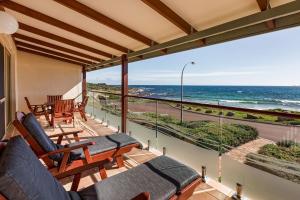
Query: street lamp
[181, 110]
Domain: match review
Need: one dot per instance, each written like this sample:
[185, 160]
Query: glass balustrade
[260, 150]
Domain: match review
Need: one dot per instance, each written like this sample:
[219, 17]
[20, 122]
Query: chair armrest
[38, 105]
[67, 149]
[65, 133]
[142, 196]
[61, 135]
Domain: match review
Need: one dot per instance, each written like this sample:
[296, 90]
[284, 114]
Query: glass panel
[236, 147]
[141, 122]
[106, 108]
[264, 157]
[259, 151]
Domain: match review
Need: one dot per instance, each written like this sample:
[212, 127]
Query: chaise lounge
[72, 159]
[22, 176]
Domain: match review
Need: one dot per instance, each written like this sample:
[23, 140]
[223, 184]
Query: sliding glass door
[2, 93]
[5, 90]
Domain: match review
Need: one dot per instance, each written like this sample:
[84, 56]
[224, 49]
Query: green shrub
[190, 108]
[208, 111]
[212, 134]
[284, 150]
[198, 109]
[282, 119]
[230, 114]
[220, 113]
[249, 116]
[287, 143]
[295, 123]
[275, 151]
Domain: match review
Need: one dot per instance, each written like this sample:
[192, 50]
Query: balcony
[95, 127]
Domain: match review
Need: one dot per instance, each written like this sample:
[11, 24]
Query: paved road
[267, 131]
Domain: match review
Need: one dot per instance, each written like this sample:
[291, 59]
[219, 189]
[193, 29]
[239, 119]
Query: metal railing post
[239, 190]
[156, 119]
[203, 174]
[148, 147]
[164, 151]
[93, 104]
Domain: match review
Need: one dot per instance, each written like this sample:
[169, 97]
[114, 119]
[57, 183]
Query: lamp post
[181, 110]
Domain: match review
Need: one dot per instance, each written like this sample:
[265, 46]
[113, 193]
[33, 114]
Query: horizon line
[200, 85]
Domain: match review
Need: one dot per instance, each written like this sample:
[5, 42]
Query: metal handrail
[249, 110]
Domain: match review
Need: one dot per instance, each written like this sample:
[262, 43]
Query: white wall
[39, 76]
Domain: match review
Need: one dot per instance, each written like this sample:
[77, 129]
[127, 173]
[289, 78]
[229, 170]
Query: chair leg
[84, 116]
[102, 172]
[120, 161]
[52, 120]
[82, 113]
[75, 182]
[47, 117]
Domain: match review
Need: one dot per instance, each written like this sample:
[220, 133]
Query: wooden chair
[93, 157]
[38, 110]
[158, 178]
[63, 109]
[80, 107]
[51, 99]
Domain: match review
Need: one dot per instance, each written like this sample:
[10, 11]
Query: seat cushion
[37, 132]
[23, 177]
[105, 143]
[162, 177]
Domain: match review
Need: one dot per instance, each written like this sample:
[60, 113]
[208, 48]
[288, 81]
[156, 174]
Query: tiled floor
[93, 128]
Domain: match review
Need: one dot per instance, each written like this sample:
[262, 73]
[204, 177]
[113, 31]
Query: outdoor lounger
[72, 159]
[22, 176]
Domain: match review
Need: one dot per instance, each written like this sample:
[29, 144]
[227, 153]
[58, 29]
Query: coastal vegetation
[281, 159]
[203, 133]
[285, 150]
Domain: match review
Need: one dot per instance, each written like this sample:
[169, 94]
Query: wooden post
[84, 92]
[124, 92]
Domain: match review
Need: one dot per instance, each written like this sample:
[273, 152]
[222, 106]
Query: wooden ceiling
[91, 32]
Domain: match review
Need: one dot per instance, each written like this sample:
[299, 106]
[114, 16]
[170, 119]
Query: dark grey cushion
[105, 143]
[162, 177]
[23, 177]
[37, 132]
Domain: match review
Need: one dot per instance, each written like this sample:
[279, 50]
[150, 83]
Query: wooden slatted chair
[64, 110]
[160, 178]
[80, 107]
[38, 110]
[67, 160]
[51, 99]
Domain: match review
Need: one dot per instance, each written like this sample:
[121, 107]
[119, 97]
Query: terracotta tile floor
[93, 128]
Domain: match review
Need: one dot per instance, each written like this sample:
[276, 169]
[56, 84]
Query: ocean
[256, 97]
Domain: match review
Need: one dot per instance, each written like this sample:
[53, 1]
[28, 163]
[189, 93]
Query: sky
[268, 59]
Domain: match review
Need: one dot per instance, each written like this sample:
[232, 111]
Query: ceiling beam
[170, 15]
[53, 46]
[287, 15]
[99, 17]
[60, 24]
[48, 51]
[48, 56]
[57, 38]
[263, 6]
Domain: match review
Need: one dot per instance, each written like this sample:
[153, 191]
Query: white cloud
[206, 74]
